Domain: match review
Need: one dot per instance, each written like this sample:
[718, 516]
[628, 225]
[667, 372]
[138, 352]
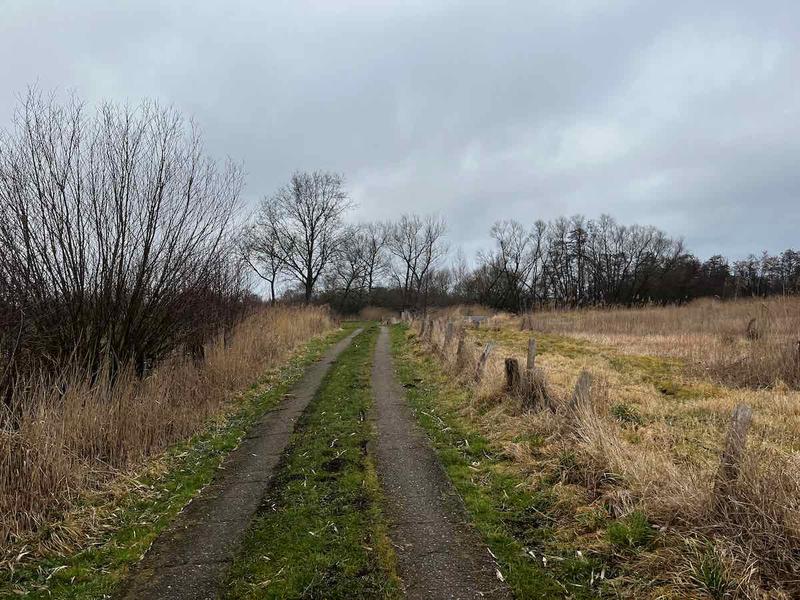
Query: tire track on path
[439, 555]
[188, 561]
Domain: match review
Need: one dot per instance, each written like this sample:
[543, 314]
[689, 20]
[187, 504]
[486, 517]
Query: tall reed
[62, 435]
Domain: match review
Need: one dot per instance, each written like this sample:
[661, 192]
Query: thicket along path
[189, 560]
[438, 554]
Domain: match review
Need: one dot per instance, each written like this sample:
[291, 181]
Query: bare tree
[512, 262]
[306, 218]
[349, 269]
[417, 244]
[403, 244]
[374, 238]
[261, 250]
[433, 251]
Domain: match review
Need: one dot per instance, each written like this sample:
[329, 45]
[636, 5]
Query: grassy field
[87, 550]
[632, 478]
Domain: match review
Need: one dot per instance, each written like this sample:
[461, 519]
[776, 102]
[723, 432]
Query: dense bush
[115, 238]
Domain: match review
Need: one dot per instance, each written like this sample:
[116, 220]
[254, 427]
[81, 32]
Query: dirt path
[439, 555]
[190, 558]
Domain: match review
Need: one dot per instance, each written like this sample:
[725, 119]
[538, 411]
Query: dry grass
[746, 342]
[651, 437]
[463, 310]
[62, 438]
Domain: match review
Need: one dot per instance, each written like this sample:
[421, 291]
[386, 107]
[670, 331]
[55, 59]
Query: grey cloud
[681, 114]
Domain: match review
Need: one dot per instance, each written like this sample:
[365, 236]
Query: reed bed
[64, 436]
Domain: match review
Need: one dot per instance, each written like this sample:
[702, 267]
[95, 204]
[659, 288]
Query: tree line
[577, 262]
[300, 237]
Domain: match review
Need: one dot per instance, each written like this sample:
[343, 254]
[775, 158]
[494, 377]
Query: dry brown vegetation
[648, 441]
[63, 436]
[376, 313]
[745, 342]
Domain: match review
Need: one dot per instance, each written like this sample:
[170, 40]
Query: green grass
[709, 574]
[631, 532]
[514, 520]
[154, 501]
[319, 532]
[626, 414]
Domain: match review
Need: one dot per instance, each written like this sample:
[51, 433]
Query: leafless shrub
[114, 238]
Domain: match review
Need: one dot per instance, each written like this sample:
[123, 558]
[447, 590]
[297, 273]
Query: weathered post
[797, 355]
[481, 368]
[429, 329]
[422, 328]
[448, 334]
[461, 359]
[437, 327]
[582, 394]
[735, 443]
[531, 356]
[513, 380]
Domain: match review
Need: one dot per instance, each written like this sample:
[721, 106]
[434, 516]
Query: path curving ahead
[439, 555]
[189, 559]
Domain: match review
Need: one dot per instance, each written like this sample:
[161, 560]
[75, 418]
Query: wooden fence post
[582, 394]
[735, 443]
[462, 346]
[513, 380]
[428, 328]
[487, 350]
[531, 356]
[448, 334]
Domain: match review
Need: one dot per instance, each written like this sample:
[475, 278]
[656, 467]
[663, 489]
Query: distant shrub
[376, 313]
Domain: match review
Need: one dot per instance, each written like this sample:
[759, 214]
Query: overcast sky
[685, 115]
